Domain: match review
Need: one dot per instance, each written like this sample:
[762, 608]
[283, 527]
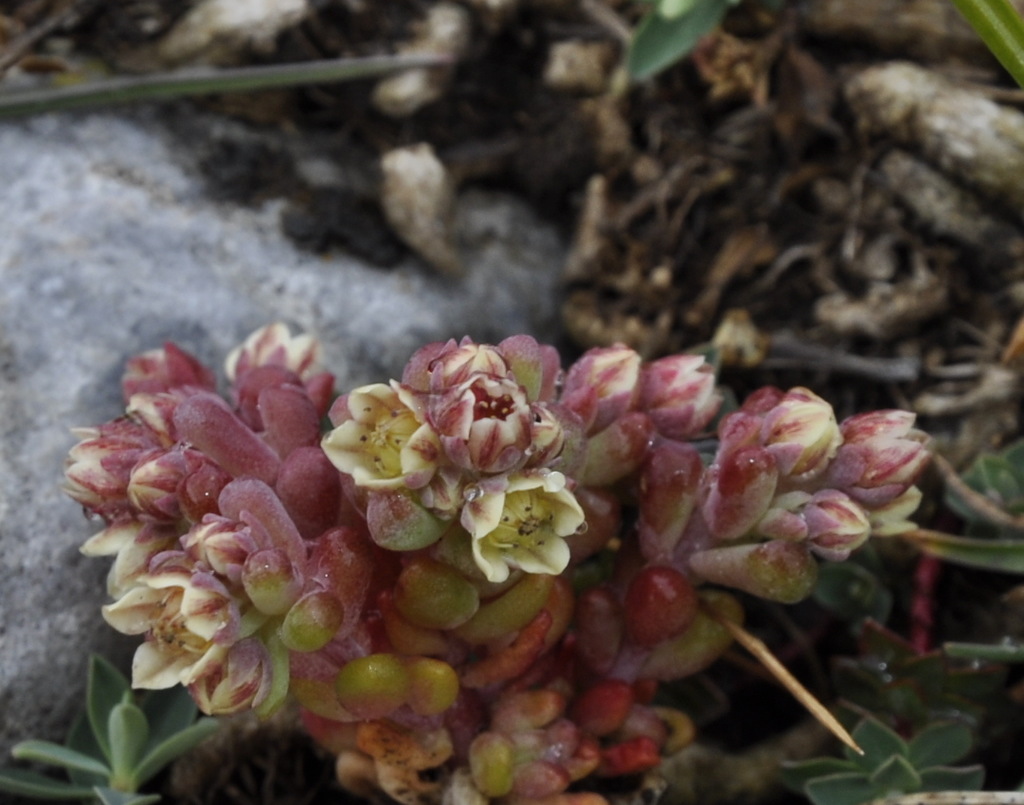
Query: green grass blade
[1001, 555]
[205, 81]
[1002, 30]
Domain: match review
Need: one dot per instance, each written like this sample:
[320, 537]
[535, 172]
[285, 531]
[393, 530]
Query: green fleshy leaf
[82, 739]
[943, 778]
[26, 783]
[107, 687]
[1000, 652]
[57, 755]
[670, 9]
[111, 796]
[168, 712]
[896, 776]
[878, 742]
[851, 788]
[852, 592]
[174, 747]
[796, 775]
[1000, 555]
[997, 479]
[939, 743]
[659, 42]
[129, 734]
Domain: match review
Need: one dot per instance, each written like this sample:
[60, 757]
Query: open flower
[186, 614]
[380, 441]
[523, 525]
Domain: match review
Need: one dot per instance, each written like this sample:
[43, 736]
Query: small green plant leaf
[111, 796]
[659, 42]
[173, 747]
[106, 688]
[82, 739]
[57, 755]
[999, 652]
[852, 592]
[851, 788]
[797, 775]
[128, 733]
[938, 744]
[878, 742]
[1000, 555]
[168, 712]
[943, 778]
[895, 776]
[26, 783]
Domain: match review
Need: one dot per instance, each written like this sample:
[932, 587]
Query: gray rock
[109, 247]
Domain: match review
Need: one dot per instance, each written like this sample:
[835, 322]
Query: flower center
[488, 407]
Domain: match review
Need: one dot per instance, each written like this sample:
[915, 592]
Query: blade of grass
[205, 81]
[1001, 29]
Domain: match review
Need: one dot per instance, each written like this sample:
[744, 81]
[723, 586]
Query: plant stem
[205, 81]
[1001, 28]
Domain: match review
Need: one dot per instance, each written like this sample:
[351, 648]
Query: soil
[766, 196]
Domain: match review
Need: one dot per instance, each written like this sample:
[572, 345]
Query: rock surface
[110, 247]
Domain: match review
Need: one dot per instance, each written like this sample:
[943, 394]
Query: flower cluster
[485, 567]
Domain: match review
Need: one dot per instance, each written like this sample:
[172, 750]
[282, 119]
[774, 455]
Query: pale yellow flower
[381, 442]
[523, 526]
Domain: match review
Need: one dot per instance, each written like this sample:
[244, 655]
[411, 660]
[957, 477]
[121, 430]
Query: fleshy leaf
[943, 778]
[110, 796]
[852, 592]
[82, 739]
[659, 41]
[939, 743]
[173, 747]
[1000, 555]
[128, 733]
[107, 687]
[26, 783]
[999, 652]
[878, 742]
[797, 775]
[57, 755]
[851, 788]
[896, 775]
[168, 712]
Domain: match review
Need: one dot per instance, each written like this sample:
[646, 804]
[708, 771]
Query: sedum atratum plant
[484, 568]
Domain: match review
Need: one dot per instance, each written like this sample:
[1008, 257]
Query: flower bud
[312, 622]
[274, 345]
[161, 370]
[98, 468]
[678, 393]
[660, 604]
[894, 517]
[222, 544]
[801, 433]
[602, 385]
[836, 525]
[535, 366]
[153, 484]
[238, 681]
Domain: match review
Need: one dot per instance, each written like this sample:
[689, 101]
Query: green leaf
[999, 652]
[996, 479]
[939, 743]
[168, 712]
[943, 778]
[878, 742]
[1000, 26]
[25, 783]
[1000, 555]
[107, 687]
[851, 788]
[852, 592]
[57, 755]
[659, 42]
[111, 796]
[796, 775]
[670, 9]
[129, 734]
[173, 747]
[81, 739]
[896, 776]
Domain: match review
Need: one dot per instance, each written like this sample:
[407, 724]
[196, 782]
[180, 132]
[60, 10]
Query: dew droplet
[582, 528]
[471, 493]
